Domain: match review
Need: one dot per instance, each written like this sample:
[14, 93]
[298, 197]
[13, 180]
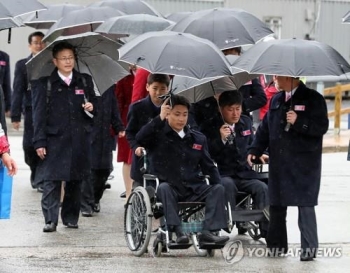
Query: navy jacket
[295, 156]
[178, 161]
[103, 140]
[62, 126]
[231, 159]
[22, 101]
[5, 88]
[140, 113]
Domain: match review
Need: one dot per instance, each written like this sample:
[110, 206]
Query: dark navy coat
[22, 101]
[103, 140]
[5, 88]
[62, 126]
[231, 159]
[140, 113]
[295, 156]
[178, 161]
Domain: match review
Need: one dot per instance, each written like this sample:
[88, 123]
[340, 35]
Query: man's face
[231, 113]
[64, 61]
[155, 90]
[36, 45]
[283, 83]
[177, 118]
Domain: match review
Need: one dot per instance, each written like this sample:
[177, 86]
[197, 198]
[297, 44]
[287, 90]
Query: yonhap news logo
[234, 251]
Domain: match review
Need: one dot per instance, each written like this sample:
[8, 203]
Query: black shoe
[107, 186]
[86, 213]
[123, 195]
[209, 237]
[39, 189]
[307, 256]
[241, 229]
[97, 207]
[51, 227]
[181, 237]
[70, 225]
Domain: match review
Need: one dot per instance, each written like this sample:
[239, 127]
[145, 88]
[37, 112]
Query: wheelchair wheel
[200, 252]
[254, 231]
[138, 221]
[157, 249]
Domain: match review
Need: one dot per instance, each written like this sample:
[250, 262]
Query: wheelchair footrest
[173, 245]
[211, 245]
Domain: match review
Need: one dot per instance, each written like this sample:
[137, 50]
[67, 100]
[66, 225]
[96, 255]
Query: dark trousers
[99, 178]
[87, 195]
[213, 196]
[256, 188]
[32, 160]
[277, 235]
[50, 201]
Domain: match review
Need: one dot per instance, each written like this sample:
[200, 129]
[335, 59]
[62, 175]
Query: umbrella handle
[9, 36]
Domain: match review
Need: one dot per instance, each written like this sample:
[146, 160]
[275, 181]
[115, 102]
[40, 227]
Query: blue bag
[5, 193]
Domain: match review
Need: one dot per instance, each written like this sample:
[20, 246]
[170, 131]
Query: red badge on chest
[2, 63]
[246, 133]
[299, 107]
[79, 92]
[197, 147]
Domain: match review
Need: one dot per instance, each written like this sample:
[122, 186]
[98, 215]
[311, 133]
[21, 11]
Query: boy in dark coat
[179, 156]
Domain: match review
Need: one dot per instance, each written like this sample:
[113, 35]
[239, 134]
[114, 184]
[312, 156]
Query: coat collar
[169, 130]
[54, 77]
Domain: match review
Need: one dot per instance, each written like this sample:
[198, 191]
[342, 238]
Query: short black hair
[180, 100]
[36, 33]
[62, 46]
[229, 98]
[161, 78]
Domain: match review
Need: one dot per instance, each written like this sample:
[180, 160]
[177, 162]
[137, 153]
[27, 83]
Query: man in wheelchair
[229, 135]
[179, 157]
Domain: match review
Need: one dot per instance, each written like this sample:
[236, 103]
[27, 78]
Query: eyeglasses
[38, 43]
[66, 59]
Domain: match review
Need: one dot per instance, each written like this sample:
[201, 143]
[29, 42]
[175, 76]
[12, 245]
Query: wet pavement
[99, 245]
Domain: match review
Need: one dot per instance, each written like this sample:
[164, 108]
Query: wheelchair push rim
[138, 221]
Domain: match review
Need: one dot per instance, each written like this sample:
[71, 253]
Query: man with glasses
[22, 104]
[63, 111]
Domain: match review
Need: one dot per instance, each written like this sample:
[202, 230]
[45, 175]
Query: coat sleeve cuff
[40, 144]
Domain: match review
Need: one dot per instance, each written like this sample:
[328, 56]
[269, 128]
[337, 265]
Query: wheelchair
[245, 214]
[142, 207]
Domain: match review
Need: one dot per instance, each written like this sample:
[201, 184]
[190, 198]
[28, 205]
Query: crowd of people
[67, 124]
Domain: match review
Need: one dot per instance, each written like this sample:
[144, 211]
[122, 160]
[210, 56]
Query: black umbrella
[294, 58]
[178, 16]
[46, 18]
[227, 28]
[80, 21]
[133, 25]
[128, 6]
[96, 55]
[173, 53]
[14, 8]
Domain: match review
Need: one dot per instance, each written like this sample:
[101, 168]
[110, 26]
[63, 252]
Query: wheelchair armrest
[150, 176]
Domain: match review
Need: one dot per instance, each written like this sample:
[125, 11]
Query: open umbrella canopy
[292, 57]
[10, 23]
[196, 90]
[96, 56]
[133, 25]
[227, 28]
[178, 16]
[346, 18]
[128, 6]
[173, 53]
[46, 18]
[80, 21]
[14, 8]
